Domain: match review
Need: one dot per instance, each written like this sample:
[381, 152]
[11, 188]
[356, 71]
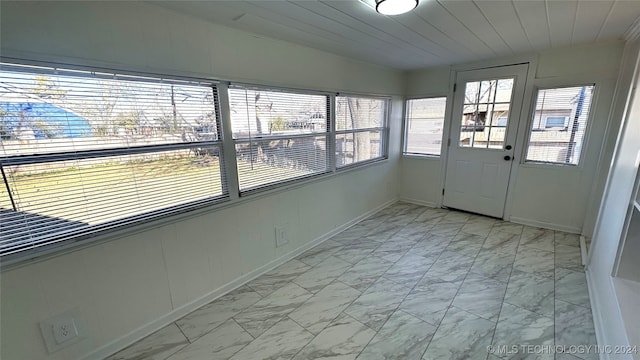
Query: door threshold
[471, 212]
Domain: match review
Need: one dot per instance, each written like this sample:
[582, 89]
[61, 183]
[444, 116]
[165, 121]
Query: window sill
[543, 165]
[421, 156]
[360, 164]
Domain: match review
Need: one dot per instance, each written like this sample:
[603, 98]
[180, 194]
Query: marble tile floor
[410, 282]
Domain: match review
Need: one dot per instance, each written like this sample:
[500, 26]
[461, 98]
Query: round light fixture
[395, 7]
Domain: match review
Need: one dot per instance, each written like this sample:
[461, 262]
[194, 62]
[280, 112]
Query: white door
[485, 117]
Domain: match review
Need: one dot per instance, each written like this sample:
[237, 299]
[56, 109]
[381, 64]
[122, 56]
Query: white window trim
[384, 131]
[327, 134]
[587, 131]
[405, 129]
[226, 143]
[131, 220]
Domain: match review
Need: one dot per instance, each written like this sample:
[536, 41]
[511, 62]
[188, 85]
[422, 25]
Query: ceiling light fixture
[395, 7]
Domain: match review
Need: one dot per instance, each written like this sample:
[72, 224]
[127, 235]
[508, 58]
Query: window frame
[405, 128]
[225, 143]
[383, 129]
[62, 239]
[530, 130]
[289, 181]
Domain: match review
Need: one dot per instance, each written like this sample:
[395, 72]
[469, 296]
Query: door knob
[508, 147]
[507, 157]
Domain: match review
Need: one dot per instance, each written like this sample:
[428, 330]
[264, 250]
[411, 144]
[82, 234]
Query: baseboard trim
[545, 225]
[596, 314]
[419, 202]
[157, 324]
[604, 295]
[583, 249]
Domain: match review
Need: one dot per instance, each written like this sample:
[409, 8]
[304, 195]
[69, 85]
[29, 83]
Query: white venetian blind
[83, 152]
[559, 124]
[424, 121]
[279, 135]
[361, 129]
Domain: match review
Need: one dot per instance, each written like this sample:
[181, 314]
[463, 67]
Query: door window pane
[485, 114]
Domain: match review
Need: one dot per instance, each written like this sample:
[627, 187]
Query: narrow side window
[424, 121]
[558, 125]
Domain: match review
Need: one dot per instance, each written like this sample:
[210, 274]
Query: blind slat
[44, 109]
[558, 125]
[85, 152]
[279, 135]
[81, 151]
[360, 129]
[424, 122]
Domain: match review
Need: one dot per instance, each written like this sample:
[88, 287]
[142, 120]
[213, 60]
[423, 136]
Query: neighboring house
[552, 123]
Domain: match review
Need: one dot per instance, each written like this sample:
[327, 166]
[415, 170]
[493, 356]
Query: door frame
[523, 124]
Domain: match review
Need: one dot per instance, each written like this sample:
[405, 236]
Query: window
[502, 121]
[554, 122]
[485, 114]
[424, 122]
[83, 152]
[558, 125]
[87, 152]
[361, 129]
[279, 136]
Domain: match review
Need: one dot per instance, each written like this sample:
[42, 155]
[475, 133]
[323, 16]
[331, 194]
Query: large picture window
[361, 124]
[424, 121]
[279, 136]
[81, 152]
[558, 125]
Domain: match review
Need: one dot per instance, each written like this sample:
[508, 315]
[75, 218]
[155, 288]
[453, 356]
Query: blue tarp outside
[45, 120]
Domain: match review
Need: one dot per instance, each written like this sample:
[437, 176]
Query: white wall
[420, 179]
[612, 210]
[549, 196]
[140, 36]
[129, 285]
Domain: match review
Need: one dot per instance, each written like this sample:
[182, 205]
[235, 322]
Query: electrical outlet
[63, 330]
[282, 236]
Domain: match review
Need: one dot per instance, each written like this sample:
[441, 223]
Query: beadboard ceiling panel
[533, 17]
[562, 16]
[434, 14]
[590, 17]
[622, 14]
[438, 32]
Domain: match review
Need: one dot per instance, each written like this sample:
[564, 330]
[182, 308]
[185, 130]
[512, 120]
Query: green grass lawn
[99, 193]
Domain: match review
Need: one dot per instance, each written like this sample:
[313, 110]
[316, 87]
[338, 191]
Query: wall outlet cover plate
[282, 236]
[63, 330]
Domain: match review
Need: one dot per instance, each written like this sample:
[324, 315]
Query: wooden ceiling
[437, 32]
